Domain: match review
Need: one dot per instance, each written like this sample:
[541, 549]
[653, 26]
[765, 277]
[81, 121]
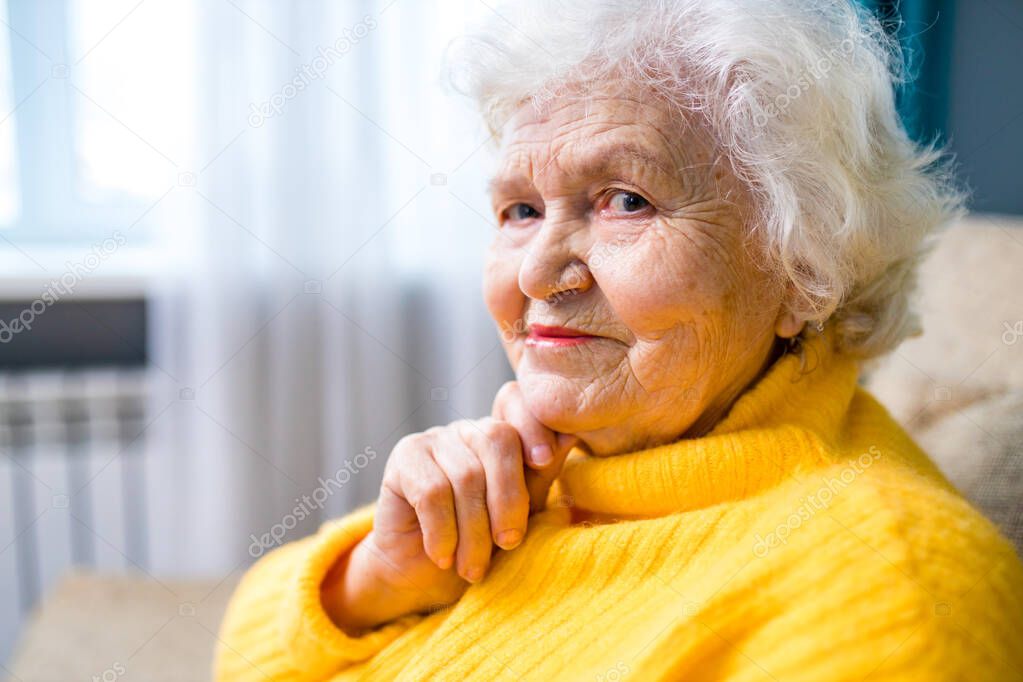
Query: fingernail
[509, 539]
[445, 563]
[474, 574]
[542, 455]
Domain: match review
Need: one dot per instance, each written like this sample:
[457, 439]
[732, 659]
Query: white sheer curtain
[332, 231]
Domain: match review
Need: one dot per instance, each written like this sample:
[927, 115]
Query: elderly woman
[709, 217]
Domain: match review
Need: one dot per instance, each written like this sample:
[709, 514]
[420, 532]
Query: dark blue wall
[985, 116]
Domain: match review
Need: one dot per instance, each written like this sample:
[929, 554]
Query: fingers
[465, 473]
[539, 443]
[454, 492]
[545, 450]
[538, 483]
[498, 447]
[430, 501]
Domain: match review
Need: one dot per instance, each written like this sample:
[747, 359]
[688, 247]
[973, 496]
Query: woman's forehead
[598, 156]
[592, 138]
[540, 118]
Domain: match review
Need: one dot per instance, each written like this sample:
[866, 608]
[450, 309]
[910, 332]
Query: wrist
[356, 594]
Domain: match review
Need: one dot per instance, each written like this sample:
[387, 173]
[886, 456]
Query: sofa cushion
[958, 387]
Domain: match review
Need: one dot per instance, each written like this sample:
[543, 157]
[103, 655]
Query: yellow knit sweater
[806, 538]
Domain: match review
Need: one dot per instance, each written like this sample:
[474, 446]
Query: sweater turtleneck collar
[783, 424]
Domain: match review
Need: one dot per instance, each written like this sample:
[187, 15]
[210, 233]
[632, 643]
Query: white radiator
[71, 481]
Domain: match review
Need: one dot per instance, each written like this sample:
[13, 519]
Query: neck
[711, 417]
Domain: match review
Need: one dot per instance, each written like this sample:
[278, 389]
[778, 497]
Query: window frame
[53, 213]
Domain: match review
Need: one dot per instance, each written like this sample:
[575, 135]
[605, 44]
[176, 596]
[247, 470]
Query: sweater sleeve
[276, 628]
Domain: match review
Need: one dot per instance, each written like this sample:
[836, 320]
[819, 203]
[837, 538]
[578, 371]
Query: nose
[555, 263]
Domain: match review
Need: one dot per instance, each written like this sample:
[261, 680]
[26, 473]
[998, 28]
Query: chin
[556, 402]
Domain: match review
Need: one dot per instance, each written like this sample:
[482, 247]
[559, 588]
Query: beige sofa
[116, 628]
[958, 389]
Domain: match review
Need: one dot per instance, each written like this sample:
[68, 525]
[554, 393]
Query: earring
[819, 326]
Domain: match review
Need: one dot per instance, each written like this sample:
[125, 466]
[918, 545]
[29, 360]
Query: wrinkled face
[623, 276]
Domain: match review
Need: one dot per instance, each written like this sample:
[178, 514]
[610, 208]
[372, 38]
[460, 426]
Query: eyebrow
[602, 160]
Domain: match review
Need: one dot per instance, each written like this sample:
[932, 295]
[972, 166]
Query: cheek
[657, 285]
[501, 291]
[687, 296]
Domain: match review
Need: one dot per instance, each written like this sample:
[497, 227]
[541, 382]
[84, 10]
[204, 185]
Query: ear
[790, 320]
[788, 324]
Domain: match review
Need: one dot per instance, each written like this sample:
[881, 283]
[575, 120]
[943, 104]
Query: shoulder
[896, 556]
[890, 501]
[881, 482]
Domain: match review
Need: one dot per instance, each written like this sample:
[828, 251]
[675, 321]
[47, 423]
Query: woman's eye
[521, 212]
[627, 202]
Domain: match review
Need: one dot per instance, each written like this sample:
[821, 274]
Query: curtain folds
[329, 302]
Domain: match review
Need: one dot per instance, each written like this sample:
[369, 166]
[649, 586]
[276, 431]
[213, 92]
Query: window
[9, 205]
[101, 114]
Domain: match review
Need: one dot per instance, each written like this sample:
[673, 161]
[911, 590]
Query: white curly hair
[800, 98]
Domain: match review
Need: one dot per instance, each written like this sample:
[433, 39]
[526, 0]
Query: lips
[543, 336]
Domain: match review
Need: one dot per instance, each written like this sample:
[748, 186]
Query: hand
[449, 495]
[544, 450]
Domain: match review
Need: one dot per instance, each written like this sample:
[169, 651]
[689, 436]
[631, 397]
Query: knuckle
[434, 431]
[416, 499]
[473, 505]
[468, 479]
[409, 441]
[431, 496]
[461, 426]
[410, 444]
[390, 479]
[489, 425]
[502, 434]
[427, 495]
[479, 432]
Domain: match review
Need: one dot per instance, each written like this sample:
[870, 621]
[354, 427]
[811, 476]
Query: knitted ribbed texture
[806, 538]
